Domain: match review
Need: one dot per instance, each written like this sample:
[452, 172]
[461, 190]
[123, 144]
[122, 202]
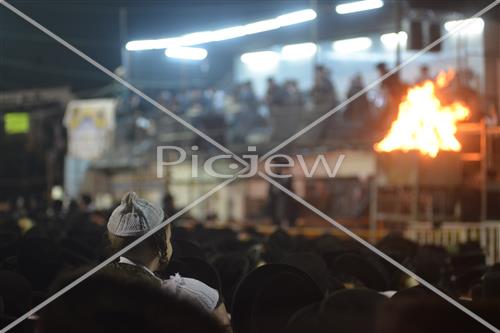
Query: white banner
[90, 125]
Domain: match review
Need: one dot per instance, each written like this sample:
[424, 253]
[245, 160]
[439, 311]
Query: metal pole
[49, 173]
[416, 189]
[398, 15]
[484, 171]
[374, 206]
[125, 57]
[314, 31]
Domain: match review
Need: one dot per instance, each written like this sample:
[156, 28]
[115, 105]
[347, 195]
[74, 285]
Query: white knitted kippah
[192, 290]
[134, 217]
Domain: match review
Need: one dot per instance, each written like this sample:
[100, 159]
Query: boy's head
[133, 218]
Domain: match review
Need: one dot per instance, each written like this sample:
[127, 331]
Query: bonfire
[423, 123]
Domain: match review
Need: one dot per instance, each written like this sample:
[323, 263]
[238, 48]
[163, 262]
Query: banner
[90, 124]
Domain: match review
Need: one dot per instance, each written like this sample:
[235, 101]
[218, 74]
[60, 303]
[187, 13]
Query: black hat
[429, 263]
[328, 245]
[278, 244]
[369, 272]
[183, 248]
[40, 261]
[431, 315]
[466, 268]
[464, 261]
[417, 292]
[247, 294]
[351, 310]
[8, 242]
[279, 298]
[397, 247]
[311, 264]
[16, 293]
[491, 286]
[231, 268]
[306, 319]
[76, 253]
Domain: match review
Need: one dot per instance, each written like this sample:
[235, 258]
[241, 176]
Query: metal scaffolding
[482, 157]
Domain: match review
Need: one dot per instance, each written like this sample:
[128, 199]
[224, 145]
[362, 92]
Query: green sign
[16, 123]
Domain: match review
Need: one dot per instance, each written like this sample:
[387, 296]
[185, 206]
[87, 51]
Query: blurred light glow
[151, 44]
[358, 6]
[352, 45]
[228, 33]
[198, 38]
[262, 60]
[298, 51]
[56, 193]
[296, 17]
[261, 26]
[143, 122]
[195, 38]
[392, 39]
[188, 53]
[470, 26]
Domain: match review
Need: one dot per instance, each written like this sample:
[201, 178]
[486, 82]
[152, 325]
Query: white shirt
[188, 289]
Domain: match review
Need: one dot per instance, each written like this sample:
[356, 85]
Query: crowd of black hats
[269, 283]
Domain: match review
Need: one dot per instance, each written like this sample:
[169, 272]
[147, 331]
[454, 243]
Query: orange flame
[424, 124]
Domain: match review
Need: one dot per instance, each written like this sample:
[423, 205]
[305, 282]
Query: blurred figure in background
[274, 93]
[293, 96]
[468, 90]
[247, 96]
[424, 74]
[391, 85]
[281, 207]
[392, 91]
[169, 205]
[359, 110]
[219, 100]
[323, 91]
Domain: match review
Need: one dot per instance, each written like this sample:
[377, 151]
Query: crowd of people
[234, 114]
[243, 98]
[186, 277]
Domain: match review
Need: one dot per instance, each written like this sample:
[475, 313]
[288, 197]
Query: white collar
[127, 261]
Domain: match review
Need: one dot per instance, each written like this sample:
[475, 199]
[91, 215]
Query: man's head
[85, 201]
[382, 68]
[133, 218]
[424, 70]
